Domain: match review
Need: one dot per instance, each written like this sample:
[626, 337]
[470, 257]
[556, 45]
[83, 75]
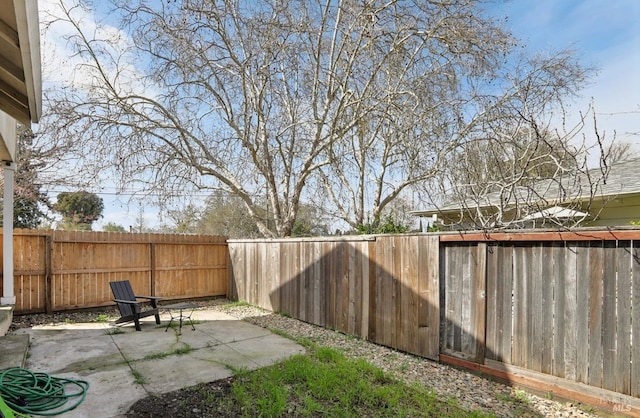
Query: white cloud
[64, 67]
[603, 34]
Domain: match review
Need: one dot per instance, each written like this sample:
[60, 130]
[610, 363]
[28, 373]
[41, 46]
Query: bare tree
[513, 175]
[620, 151]
[359, 99]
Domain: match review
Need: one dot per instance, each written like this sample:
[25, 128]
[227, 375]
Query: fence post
[48, 256]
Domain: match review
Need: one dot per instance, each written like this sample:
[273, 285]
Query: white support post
[8, 297]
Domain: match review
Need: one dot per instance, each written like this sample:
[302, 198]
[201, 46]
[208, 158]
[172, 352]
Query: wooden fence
[560, 304]
[384, 289]
[62, 270]
[557, 304]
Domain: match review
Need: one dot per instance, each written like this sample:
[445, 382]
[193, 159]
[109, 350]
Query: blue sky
[604, 34]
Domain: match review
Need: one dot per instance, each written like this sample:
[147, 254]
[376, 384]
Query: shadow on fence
[444, 301]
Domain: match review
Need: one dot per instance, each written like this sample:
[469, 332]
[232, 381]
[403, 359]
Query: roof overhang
[456, 210]
[20, 70]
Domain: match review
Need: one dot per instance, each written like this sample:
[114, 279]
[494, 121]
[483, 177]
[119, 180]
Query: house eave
[20, 71]
[28, 27]
[428, 213]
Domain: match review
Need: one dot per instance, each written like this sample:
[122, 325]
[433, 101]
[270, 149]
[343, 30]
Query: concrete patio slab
[60, 350]
[230, 331]
[264, 351]
[13, 350]
[175, 372]
[111, 392]
[112, 358]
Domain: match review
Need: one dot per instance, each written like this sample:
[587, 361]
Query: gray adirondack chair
[133, 307]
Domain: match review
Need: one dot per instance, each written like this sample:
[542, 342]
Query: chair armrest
[147, 297]
[130, 302]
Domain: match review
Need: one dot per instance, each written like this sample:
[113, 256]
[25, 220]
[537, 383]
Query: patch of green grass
[326, 382]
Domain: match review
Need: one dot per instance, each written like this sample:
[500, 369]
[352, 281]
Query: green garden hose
[32, 393]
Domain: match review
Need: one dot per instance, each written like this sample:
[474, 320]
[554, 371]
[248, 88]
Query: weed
[305, 342]
[102, 318]
[235, 304]
[587, 408]
[138, 378]
[114, 331]
[183, 350]
[516, 397]
[178, 351]
[521, 396]
[156, 356]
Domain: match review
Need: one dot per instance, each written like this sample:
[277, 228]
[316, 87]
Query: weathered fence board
[622, 314]
[609, 297]
[560, 308]
[547, 306]
[570, 319]
[582, 311]
[560, 257]
[464, 281]
[596, 261]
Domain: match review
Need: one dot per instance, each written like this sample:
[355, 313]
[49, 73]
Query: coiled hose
[38, 393]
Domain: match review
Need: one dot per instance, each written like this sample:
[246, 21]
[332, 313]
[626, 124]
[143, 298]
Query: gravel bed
[468, 390]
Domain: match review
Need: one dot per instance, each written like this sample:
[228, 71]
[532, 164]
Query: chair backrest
[122, 290]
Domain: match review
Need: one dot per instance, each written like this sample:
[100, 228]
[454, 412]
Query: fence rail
[62, 270]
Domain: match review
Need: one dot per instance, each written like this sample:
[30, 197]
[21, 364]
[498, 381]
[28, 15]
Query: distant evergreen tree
[78, 209]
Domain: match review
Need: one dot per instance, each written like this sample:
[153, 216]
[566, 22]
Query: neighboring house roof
[619, 179]
[20, 70]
